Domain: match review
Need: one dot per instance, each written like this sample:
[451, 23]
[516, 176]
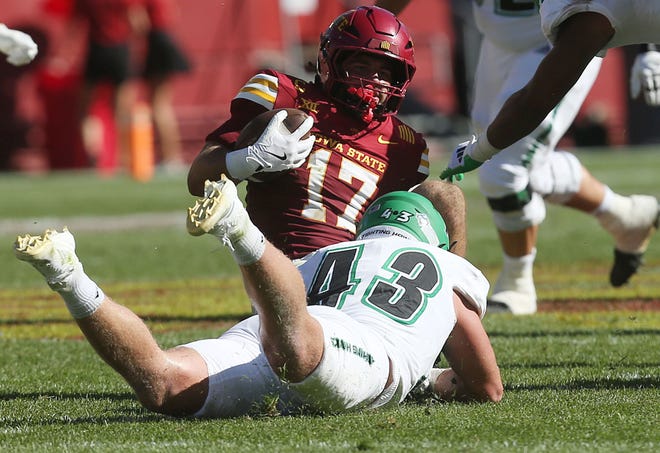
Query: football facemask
[376, 32]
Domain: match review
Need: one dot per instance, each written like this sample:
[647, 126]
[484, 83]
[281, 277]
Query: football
[253, 130]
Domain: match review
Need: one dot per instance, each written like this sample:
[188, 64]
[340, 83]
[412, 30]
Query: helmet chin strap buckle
[367, 96]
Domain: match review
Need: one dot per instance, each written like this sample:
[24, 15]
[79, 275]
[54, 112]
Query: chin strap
[368, 98]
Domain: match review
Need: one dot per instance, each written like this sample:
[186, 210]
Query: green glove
[468, 156]
[454, 171]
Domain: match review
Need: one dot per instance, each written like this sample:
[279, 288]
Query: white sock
[82, 296]
[519, 265]
[606, 204]
[249, 247]
[245, 241]
[613, 211]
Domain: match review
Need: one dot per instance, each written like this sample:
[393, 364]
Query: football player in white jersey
[519, 180]
[381, 309]
[578, 32]
[19, 47]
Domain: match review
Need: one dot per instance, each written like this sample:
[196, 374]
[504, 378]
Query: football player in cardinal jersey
[358, 149]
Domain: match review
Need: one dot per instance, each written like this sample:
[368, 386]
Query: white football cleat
[514, 292]
[515, 302]
[53, 254]
[219, 213]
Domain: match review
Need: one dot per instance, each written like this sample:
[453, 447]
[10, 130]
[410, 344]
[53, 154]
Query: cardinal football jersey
[350, 165]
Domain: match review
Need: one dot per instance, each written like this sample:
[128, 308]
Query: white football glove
[18, 46]
[645, 77]
[276, 150]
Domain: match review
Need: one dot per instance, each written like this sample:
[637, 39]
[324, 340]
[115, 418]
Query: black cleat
[625, 266]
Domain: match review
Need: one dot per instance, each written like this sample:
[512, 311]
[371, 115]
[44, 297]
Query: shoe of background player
[632, 233]
[219, 213]
[513, 293]
[53, 254]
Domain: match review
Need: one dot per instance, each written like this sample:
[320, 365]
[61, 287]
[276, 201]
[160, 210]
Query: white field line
[95, 223]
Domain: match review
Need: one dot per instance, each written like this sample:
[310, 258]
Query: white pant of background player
[519, 180]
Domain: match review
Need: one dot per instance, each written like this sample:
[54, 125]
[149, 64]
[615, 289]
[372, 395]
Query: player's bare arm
[474, 373]
[580, 38]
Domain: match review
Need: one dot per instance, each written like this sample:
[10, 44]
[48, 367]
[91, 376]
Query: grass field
[575, 380]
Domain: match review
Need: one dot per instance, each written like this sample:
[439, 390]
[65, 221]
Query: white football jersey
[634, 21]
[512, 25]
[398, 288]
